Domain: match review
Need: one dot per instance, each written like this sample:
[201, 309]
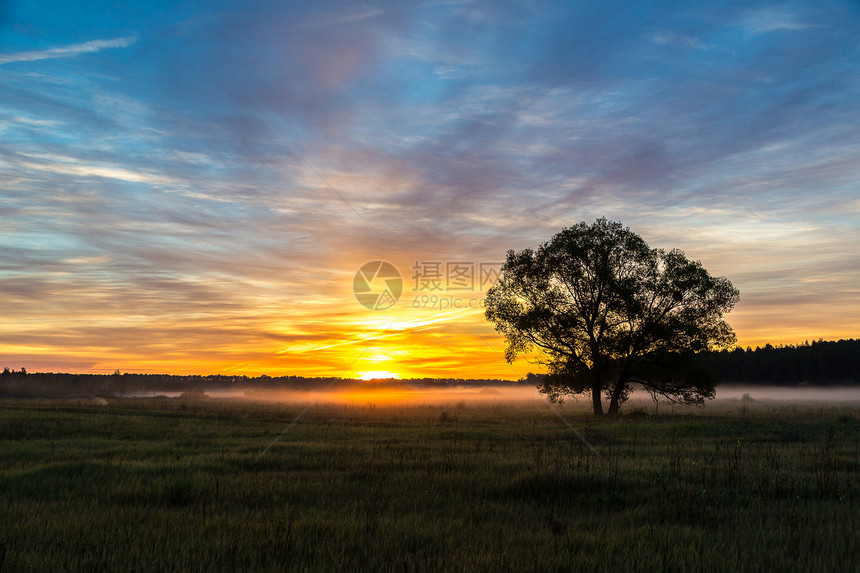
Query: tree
[601, 310]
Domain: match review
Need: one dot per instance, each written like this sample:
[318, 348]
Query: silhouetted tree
[601, 310]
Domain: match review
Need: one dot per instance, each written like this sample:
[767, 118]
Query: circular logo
[377, 285]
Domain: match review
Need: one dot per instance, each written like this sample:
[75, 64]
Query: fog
[790, 394]
[364, 394]
[404, 395]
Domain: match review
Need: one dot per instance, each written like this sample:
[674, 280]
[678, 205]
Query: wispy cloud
[666, 37]
[67, 51]
[773, 20]
[108, 171]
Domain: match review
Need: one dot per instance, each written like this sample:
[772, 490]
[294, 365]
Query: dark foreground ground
[178, 485]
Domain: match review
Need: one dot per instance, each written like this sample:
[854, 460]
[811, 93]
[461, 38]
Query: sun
[377, 375]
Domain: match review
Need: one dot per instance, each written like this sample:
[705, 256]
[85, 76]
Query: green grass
[177, 485]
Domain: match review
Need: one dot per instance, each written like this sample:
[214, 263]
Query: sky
[192, 187]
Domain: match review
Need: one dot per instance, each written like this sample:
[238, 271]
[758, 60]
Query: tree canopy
[601, 310]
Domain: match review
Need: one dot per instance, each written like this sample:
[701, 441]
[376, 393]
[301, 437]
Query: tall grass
[177, 485]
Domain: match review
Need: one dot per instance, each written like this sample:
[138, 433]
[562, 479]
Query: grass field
[178, 485]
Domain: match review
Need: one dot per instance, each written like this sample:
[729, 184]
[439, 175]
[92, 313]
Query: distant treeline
[820, 363]
[20, 383]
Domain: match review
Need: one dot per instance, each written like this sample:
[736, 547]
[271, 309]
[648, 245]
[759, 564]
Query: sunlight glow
[378, 375]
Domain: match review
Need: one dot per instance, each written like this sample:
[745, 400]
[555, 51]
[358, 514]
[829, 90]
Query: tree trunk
[613, 407]
[595, 400]
[614, 400]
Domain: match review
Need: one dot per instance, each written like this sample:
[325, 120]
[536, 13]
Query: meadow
[224, 485]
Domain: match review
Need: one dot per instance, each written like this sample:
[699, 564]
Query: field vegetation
[218, 485]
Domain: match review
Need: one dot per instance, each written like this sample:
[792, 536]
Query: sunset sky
[192, 189]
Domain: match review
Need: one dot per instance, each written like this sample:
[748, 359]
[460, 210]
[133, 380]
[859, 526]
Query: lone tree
[601, 310]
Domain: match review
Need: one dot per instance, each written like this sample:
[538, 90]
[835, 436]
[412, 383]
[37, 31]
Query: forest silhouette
[811, 364]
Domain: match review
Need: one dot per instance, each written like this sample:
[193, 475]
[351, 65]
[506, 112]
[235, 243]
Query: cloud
[108, 171]
[345, 18]
[149, 202]
[772, 20]
[666, 37]
[67, 51]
